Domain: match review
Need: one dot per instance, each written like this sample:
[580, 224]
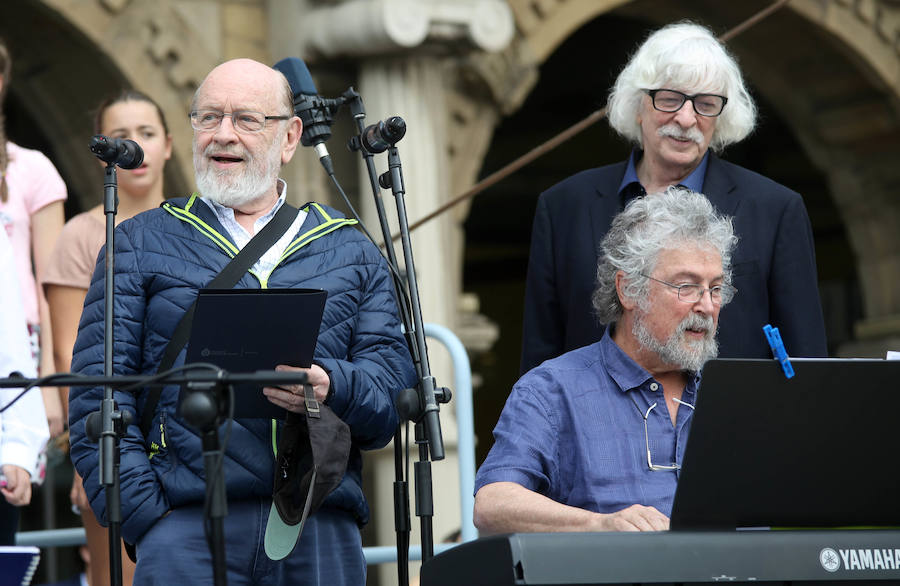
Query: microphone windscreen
[297, 74]
[394, 129]
[132, 155]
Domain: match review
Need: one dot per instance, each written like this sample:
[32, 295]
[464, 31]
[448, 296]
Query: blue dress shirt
[572, 430]
[631, 186]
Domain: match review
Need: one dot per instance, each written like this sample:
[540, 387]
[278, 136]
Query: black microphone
[379, 137]
[122, 152]
[316, 112]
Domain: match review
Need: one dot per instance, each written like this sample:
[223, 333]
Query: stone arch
[857, 142]
[547, 23]
[69, 56]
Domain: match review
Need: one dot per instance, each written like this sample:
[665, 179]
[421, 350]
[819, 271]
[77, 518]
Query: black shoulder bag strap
[230, 275]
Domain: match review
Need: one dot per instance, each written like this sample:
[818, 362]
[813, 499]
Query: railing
[462, 402]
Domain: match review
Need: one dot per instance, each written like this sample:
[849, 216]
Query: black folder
[815, 450]
[245, 330]
[17, 564]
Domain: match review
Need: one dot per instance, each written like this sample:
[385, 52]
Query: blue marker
[777, 346]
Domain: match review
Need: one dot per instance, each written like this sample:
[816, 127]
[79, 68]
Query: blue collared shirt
[631, 185]
[572, 430]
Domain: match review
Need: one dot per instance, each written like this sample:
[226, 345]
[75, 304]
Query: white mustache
[674, 131]
[233, 150]
[696, 322]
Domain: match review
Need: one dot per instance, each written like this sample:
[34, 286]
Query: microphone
[122, 152]
[316, 112]
[379, 137]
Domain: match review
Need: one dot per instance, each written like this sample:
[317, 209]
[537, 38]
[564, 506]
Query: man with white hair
[593, 440]
[244, 130]
[680, 96]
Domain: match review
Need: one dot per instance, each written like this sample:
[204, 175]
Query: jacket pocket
[158, 449]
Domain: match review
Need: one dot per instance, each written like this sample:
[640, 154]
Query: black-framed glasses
[657, 467]
[672, 100]
[692, 293]
[242, 120]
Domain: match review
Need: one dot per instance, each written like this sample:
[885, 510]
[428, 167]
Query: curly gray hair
[683, 56]
[647, 226]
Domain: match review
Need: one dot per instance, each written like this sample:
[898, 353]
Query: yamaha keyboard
[670, 557]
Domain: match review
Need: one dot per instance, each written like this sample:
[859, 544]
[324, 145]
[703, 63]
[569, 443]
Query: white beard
[235, 188]
[677, 350]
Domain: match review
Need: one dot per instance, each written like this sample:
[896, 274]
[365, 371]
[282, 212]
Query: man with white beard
[593, 440]
[244, 131]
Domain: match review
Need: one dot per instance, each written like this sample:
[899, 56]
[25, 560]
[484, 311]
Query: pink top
[75, 254]
[33, 183]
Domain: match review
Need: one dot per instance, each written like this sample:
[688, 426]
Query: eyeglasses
[692, 293]
[242, 120]
[672, 101]
[657, 467]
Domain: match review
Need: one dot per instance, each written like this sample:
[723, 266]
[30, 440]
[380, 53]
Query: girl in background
[129, 115]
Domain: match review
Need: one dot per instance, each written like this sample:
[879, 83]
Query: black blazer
[774, 265]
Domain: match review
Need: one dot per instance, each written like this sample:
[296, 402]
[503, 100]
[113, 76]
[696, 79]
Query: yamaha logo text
[859, 559]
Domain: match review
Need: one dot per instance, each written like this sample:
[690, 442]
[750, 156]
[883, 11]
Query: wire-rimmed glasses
[242, 120]
[692, 293]
[666, 100]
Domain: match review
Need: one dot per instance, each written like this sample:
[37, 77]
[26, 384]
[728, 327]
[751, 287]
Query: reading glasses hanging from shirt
[656, 467]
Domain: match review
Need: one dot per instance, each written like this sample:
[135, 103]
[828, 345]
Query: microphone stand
[112, 421]
[176, 376]
[204, 406]
[402, 526]
[321, 118]
[420, 404]
[426, 410]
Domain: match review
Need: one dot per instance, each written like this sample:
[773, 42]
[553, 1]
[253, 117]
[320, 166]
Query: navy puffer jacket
[163, 257]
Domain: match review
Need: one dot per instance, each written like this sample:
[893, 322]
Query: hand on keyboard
[634, 518]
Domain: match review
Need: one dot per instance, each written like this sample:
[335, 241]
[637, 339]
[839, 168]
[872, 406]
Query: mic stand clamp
[409, 404]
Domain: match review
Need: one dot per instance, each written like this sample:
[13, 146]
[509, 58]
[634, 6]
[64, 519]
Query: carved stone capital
[504, 78]
[373, 27]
